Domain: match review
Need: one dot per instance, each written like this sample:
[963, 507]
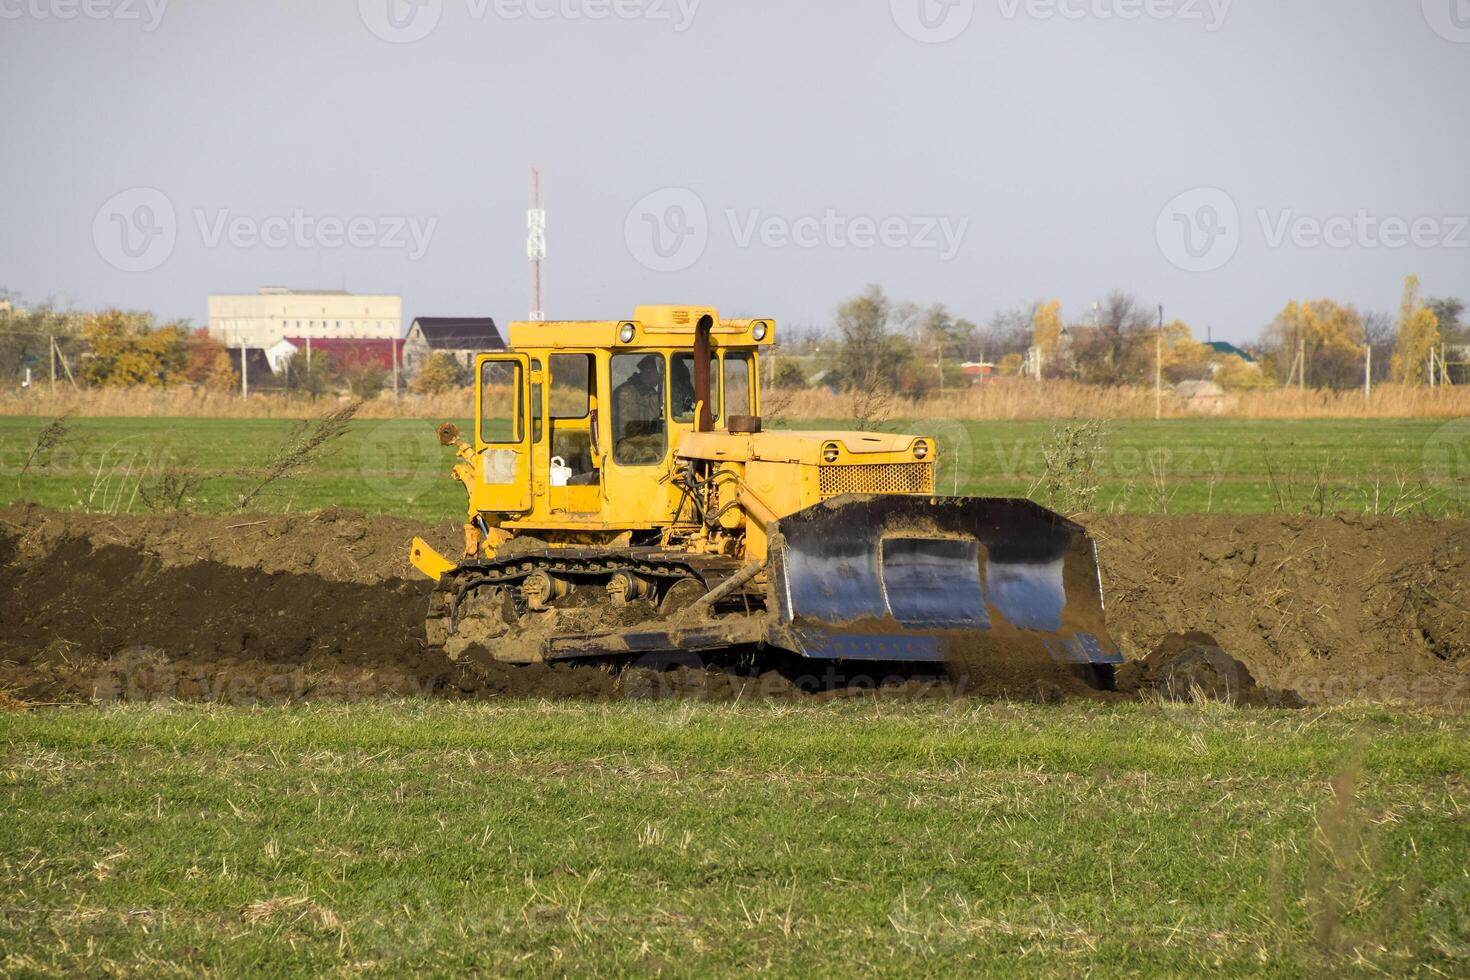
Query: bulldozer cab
[576, 426]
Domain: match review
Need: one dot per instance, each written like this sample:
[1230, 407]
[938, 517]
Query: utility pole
[1368, 377]
[52, 339]
[394, 343]
[244, 371]
[536, 244]
[1159, 369]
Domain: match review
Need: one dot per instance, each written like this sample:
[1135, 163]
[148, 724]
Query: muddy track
[315, 606]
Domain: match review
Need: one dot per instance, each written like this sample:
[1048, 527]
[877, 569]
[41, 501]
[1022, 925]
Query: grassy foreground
[396, 466]
[688, 838]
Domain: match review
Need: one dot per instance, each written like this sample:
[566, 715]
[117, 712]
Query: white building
[275, 313]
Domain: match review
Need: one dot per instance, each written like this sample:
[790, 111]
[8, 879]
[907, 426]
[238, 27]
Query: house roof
[460, 333]
[1224, 347]
[348, 352]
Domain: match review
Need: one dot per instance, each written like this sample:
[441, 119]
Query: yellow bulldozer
[624, 500]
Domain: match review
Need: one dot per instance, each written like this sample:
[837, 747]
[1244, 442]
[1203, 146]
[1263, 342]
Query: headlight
[830, 452]
[759, 333]
[921, 450]
[627, 333]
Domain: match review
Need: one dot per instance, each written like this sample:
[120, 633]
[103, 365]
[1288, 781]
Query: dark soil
[323, 606]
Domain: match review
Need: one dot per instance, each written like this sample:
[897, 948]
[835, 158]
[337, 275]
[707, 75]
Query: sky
[768, 158]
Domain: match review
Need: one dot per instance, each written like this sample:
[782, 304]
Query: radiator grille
[877, 478]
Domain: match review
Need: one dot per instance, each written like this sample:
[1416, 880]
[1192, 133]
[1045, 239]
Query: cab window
[681, 387]
[571, 410]
[571, 386]
[738, 384]
[640, 435]
[501, 412]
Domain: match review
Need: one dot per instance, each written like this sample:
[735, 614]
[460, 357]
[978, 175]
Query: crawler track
[514, 609]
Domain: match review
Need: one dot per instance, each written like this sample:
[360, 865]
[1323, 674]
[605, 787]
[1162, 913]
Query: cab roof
[653, 326]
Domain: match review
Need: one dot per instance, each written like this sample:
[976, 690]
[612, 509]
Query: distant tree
[862, 323]
[1381, 333]
[126, 351]
[1418, 335]
[1185, 359]
[310, 376]
[1331, 335]
[1234, 373]
[1120, 348]
[366, 381]
[1046, 333]
[208, 363]
[25, 341]
[1449, 312]
[872, 356]
[440, 372]
[789, 374]
[1008, 332]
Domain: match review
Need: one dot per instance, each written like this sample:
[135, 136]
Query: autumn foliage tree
[440, 372]
[1418, 337]
[127, 351]
[1331, 336]
[208, 363]
[1046, 331]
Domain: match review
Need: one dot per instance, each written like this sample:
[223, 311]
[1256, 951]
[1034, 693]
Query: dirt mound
[1193, 666]
[1333, 608]
[337, 545]
[112, 622]
[323, 605]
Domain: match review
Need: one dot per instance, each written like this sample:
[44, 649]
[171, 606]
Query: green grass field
[849, 837]
[398, 467]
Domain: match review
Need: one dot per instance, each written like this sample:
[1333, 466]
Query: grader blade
[911, 578]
